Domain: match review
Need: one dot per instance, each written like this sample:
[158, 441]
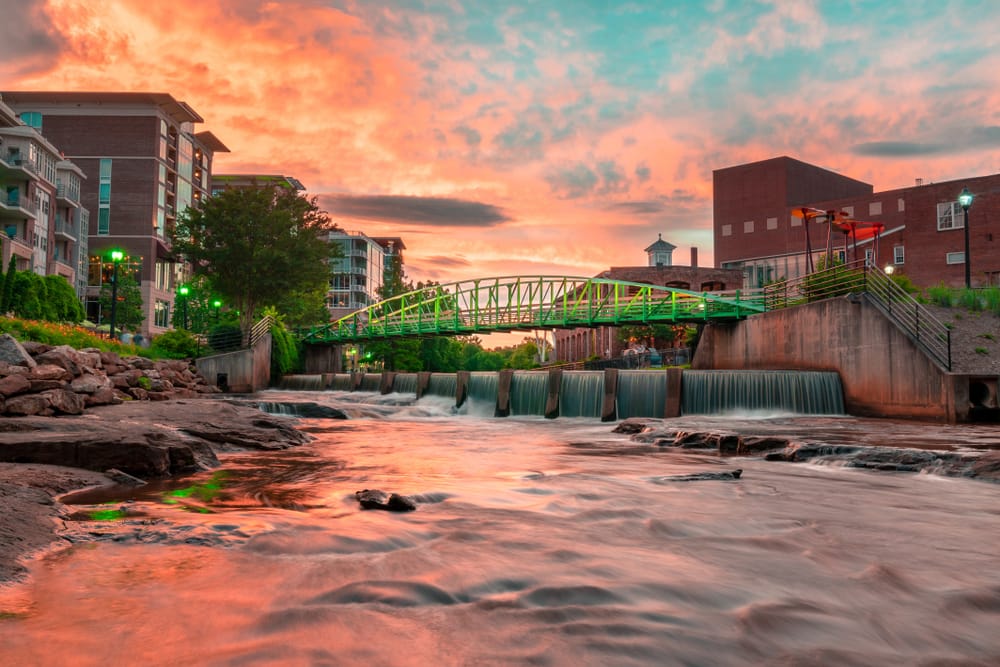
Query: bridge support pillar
[385, 382]
[461, 387]
[503, 393]
[356, 379]
[609, 411]
[423, 381]
[673, 405]
[555, 386]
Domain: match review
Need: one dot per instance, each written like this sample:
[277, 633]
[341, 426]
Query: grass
[980, 299]
[55, 333]
[982, 350]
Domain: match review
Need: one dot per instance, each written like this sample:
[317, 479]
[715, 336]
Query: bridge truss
[525, 303]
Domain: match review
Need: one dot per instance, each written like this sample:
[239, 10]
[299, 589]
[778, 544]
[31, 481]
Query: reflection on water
[535, 541]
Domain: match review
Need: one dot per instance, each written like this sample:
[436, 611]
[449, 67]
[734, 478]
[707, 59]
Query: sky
[526, 137]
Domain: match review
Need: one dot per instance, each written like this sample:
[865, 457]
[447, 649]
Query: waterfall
[483, 386]
[528, 391]
[342, 382]
[301, 382]
[370, 382]
[802, 392]
[581, 394]
[405, 383]
[442, 384]
[641, 394]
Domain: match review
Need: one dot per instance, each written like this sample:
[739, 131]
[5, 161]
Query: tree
[8, 286]
[257, 246]
[63, 304]
[128, 312]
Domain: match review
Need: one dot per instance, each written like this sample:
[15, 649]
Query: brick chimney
[694, 257]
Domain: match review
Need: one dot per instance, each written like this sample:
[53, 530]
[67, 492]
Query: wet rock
[631, 425]
[806, 451]
[756, 444]
[374, 499]
[703, 476]
[123, 478]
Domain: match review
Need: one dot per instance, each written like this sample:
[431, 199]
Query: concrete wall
[322, 359]
[882, 372]
[245, 371]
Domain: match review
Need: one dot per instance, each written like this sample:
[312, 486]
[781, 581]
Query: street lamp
[217, 304]
[183, 291]
[965, 199]
[116, 257]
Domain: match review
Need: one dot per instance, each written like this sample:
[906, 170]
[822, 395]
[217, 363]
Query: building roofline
[176, 109]
[211, 142]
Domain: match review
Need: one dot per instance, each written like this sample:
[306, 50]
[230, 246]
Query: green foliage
[176, 344]
[77, 337]
[982, 350]
[988, 336]
[225, 337]
[62, 300]
[905, 283]
[128, 312]
[144, 382]
[257, 246]
[523, 357]
[7, 292]
[29, 296]
[969, 298]
[285, 353]
[940, 295]
[831, 279]
[660, 335]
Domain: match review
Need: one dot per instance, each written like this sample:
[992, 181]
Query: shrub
[940, 295]
[285, 355]
[176, 344]
[144, 382]
[225, 337]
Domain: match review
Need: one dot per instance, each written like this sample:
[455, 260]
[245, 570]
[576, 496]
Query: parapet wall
[243, 371]
[883, 373]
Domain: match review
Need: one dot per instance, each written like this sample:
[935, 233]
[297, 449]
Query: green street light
[217, 304]
[116, 257]
[965, 199]
[183, 291]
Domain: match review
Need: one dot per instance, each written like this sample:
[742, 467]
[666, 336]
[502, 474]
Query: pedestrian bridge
[524, 303]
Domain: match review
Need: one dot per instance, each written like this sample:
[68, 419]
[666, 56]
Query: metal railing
[260, 329]
[858, 277]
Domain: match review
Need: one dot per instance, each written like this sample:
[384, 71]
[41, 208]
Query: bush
[285, 354]
[940, 295]
[225, 337]
[176, 344]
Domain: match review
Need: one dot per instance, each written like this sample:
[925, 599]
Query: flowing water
[542, 542]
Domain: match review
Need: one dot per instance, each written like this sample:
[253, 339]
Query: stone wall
[883, 373]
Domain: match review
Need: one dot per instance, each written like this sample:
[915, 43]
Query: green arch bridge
[524, 303]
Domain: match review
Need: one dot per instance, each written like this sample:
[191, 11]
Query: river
[535, 542]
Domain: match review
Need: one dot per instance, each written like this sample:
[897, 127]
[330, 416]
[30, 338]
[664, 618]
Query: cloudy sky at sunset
[560, 137]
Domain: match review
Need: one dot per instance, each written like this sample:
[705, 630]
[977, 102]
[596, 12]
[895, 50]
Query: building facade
[144, 164]
[357, 275]
[921, 227]
[41, 217]
[572, 345]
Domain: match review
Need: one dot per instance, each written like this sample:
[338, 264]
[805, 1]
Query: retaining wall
[243, 371]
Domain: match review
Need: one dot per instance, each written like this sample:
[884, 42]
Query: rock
[703, 476]
[90, 383]
[631, 425]
[59, 357]
[65, 402]
[374, 499]
[755, 444]
[27, 404]
[123, 478]
[12, 352]
[14, 384]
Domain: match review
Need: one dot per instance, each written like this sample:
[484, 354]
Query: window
[748, 227]
[795, 222]
[772, 223]
[869, 254]
[103, 221]
[104, 193]
[848, 211]
[105, 169]
[950, 216]
[898, 255]
[727, 230]
[875, 208]
[32, 119]
[161, 314]
[900, 205]
[954, 258]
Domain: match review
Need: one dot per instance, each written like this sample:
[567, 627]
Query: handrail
[919, 325]
[258, 330]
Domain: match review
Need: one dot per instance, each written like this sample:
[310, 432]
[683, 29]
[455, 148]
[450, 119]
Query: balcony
[68, 195]
[61, 268]
[65, 231]
[19, 247]
[15, 206]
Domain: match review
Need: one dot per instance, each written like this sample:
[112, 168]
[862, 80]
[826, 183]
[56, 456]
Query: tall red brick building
[922, 226]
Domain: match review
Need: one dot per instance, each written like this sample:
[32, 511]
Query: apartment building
[357, 275]
[42, 220]
[921, 228]
[144, 164]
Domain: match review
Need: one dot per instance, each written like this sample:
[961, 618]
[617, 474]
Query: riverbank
[42, 458]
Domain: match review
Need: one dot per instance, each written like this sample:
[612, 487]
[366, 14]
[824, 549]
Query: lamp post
[183, 291]
[116, 257]
[965, 199]
[217, 304]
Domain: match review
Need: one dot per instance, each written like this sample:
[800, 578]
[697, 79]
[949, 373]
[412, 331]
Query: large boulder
[13, 353]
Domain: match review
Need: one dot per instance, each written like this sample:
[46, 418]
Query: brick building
[144, 164]
[922, 226]
[580, 344]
